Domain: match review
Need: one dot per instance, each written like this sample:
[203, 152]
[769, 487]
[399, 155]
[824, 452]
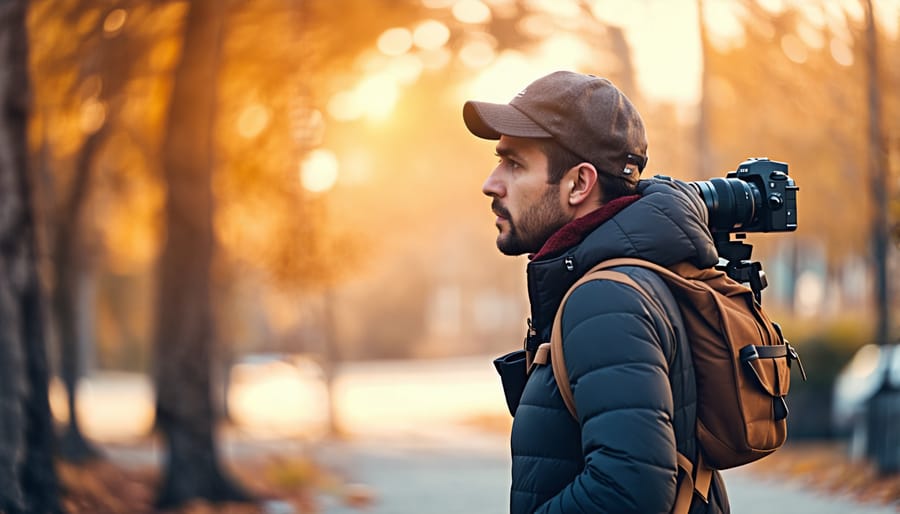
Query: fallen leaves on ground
[824, 466]
[827, 467]
[290, 485]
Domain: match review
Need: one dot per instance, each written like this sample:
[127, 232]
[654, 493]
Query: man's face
[528, 209]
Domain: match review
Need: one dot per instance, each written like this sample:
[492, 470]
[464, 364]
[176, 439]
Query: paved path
[389, 407]
[468, 473]
[751, 495]
[413, 476]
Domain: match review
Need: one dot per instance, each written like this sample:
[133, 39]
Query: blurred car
[859, 380]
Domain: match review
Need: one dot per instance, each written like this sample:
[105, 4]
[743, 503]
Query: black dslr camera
[758, 197]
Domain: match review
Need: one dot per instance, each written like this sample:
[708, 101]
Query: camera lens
[731, 202]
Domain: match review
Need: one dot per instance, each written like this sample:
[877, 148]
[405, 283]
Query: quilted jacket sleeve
[613, 340]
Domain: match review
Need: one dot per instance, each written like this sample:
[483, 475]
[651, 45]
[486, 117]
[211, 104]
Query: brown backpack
[741, 364]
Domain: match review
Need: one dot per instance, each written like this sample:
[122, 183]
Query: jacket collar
[576, 230]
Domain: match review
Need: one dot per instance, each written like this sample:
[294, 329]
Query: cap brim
[490, 121]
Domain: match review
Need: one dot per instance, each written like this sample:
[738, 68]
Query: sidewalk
[750, 494]
[416, 476]
[410, 445]
[467, 472]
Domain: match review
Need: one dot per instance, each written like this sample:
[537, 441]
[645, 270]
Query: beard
[534, 226]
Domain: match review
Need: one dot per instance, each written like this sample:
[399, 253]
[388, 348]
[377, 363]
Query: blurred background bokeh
[310, 158]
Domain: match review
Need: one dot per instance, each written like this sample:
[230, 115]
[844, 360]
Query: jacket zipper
[530, 336]
[531, 342]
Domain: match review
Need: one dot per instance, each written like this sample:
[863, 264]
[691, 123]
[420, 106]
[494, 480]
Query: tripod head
[738, 264]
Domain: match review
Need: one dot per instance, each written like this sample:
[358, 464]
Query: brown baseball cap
[587, 115]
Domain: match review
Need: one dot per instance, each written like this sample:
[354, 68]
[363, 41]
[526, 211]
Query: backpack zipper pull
[796, 356]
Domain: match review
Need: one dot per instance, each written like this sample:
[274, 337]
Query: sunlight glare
[666, 59]
[810, 293]
[813, 13]
[622, 15]
[437, 4]
[319, 171]
[509, 73]
[838, 27]
[431, 34]
[566, 50]
[114, 21]
[93, 116]
[377, 95]
[793, 48]
[395, 41]
[253, 120]
[344, 106]
[557, 8]
[357, 167]
[772, 6]
[841, 52]
[372, 61]
[471, 11]
[724, 25]
[112, 406]
[811, 35]
[536, 26]
[476, 54]
[436, 59]
[888, 12]
[855, 10]
[405, 69]
[277, 399]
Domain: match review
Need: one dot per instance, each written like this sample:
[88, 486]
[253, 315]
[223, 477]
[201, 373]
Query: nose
[492, 185]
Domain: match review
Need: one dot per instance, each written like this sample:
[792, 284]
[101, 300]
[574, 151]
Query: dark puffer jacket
[628, 366]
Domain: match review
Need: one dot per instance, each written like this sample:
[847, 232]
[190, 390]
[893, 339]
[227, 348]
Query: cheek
[540, 195]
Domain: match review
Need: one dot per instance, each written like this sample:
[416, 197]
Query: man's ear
[581, 184]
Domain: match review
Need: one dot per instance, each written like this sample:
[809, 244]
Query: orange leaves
[284, 485]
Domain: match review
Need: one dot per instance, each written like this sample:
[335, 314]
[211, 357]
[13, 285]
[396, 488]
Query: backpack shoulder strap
[678, 275]
[557, 358]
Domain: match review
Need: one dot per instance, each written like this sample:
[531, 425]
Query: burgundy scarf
[576, 230]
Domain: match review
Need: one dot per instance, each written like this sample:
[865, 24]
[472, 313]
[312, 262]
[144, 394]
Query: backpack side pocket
[513, 372]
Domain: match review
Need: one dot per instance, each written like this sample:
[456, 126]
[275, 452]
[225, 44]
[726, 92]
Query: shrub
[824, 348]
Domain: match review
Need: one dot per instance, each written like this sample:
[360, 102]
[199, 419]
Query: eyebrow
[503, 151]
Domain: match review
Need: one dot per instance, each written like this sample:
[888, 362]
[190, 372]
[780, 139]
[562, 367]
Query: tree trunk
[705, 160]
[878, 182]
[67, 270]
[27, 478]
[332, 358]
[184, 338]
[882, 408]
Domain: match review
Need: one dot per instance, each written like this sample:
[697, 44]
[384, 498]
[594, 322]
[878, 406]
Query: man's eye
[506, 161]
[510, 163]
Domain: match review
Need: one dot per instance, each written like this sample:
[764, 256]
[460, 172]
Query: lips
[499, 210]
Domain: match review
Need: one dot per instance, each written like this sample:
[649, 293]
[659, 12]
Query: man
[566, 190]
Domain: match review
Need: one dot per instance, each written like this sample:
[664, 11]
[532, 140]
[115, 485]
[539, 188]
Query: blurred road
[420, 477]
[459, 471]
[413, 441]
